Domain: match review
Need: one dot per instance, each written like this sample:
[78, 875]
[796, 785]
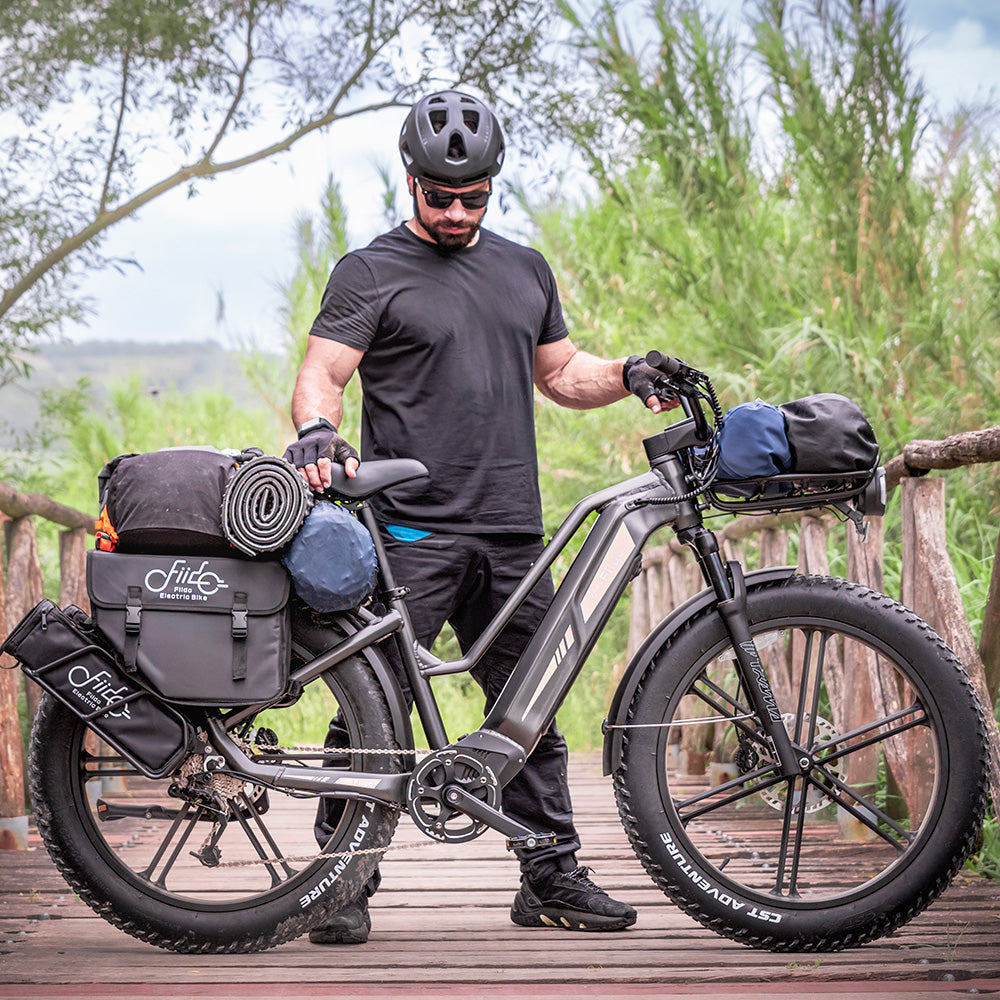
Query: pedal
[529, 842]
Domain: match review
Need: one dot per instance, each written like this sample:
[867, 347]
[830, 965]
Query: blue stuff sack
[753, 442]
[331, 560]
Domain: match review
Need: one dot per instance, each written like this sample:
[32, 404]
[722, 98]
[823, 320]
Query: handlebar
[689, 385]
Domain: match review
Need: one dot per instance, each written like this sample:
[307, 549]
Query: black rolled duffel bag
[200, 630]
[829, 433]
[168, 500]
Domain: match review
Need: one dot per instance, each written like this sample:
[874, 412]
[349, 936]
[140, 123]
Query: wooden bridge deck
[441, 929]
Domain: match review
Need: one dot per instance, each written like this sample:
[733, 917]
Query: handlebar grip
[664, 363]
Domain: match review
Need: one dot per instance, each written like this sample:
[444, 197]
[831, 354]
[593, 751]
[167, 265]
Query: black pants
[464, 580]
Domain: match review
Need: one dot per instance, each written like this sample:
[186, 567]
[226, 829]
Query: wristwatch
[314, 422]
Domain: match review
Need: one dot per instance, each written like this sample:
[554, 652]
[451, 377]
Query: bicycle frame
[611, 555]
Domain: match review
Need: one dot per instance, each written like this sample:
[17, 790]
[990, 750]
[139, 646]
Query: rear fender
[317, 639]
[651, 645]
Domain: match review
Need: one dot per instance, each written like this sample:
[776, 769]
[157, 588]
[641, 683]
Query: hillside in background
[186, 367]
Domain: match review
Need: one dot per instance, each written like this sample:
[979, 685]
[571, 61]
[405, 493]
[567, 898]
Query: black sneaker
[347, 926]
[571, 901]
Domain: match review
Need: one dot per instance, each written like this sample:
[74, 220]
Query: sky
[234, 242]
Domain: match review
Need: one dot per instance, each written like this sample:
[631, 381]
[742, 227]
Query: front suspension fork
[726, 579]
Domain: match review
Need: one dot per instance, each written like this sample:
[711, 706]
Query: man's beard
[447, 241]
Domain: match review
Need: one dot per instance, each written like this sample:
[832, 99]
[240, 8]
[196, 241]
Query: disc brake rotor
[815, 798]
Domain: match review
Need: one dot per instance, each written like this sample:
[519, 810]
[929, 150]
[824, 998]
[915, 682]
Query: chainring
[425, 792]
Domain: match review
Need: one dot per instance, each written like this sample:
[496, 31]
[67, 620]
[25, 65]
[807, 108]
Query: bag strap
[239, 635]
[133, 623]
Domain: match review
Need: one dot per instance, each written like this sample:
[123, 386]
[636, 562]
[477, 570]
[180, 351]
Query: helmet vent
[456, 147]
[471, 120]
[438, 120]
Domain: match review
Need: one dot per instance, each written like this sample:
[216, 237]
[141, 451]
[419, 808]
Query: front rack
[789, 491]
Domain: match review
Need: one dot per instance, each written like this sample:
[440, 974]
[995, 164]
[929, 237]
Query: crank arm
[517, 835]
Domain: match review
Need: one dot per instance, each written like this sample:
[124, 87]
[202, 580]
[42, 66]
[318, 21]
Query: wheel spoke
[737, 714]
[191, 817]
[883, 730]
[709, 801]
[275, 851]
[867, 809]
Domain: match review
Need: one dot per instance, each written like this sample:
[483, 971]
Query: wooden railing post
[13, 816]
[929, 588]
[866, 556]
[989, 640]
[24, 584]
[864, 565]
[73, 569]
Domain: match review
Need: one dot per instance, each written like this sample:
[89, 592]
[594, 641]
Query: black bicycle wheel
[204, 863]
[891, 792]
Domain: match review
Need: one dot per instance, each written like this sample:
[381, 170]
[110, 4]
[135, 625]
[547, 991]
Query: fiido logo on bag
[96, 691]
[185, 582]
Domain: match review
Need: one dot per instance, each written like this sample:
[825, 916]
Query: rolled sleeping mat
[265, 502]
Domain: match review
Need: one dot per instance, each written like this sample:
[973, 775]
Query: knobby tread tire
[634, 785]
[118, 896]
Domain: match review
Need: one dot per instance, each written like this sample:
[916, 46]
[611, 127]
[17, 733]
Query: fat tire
[106, 884]
[926, 867]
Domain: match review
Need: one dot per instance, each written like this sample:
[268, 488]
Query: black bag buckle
[239, 623]
[240, 612]
[133, 610]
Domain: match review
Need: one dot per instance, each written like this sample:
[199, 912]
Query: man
[449, 325]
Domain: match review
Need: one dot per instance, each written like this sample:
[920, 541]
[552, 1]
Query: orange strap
[107, 537]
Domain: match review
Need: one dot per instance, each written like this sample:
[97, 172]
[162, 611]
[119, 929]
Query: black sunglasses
[436, 198]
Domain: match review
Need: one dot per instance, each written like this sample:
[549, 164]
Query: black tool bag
[200, 630]
[60, 651]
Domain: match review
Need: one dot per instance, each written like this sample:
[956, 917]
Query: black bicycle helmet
[451, 138]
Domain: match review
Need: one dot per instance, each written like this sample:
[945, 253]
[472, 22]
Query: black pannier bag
[168, 500]
[60, 652]
[201, 630]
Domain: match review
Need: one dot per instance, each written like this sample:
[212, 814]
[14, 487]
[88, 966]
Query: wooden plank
[440, 922]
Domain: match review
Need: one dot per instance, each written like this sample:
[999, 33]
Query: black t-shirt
[449, 340]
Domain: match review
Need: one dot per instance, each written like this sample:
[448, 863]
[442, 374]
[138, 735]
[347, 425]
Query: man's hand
[639, 378]
[316, 451]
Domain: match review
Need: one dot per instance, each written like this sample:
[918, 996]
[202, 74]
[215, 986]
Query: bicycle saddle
[375, 476]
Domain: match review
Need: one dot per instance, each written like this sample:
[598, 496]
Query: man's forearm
[314, 396]
[586, 382]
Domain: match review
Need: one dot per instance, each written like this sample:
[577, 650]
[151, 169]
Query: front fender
[651, 645]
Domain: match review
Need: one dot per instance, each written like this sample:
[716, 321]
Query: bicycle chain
[309, 859]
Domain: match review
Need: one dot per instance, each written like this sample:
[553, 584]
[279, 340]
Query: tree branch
[203, 168]
[102, 203]
[240, 90]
